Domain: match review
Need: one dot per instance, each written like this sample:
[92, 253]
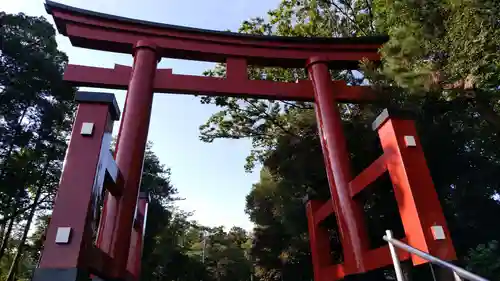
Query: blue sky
[210, 177]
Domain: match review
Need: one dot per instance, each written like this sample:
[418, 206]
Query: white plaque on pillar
[410, 141]
[438, 232]
[87, 129]
[63, 234]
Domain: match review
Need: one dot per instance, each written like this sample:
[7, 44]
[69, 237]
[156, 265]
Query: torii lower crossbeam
[237, 85]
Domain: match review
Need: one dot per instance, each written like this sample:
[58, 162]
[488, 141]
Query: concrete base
[60, 274]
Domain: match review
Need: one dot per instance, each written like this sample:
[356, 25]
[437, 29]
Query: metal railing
[458, 272]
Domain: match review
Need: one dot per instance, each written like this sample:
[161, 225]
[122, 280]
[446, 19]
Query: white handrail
[397, 267]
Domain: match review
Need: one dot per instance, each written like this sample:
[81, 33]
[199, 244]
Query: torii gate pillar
[337, 165]
[132, 138]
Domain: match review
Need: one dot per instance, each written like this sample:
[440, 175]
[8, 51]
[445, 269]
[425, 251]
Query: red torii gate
[69, 252]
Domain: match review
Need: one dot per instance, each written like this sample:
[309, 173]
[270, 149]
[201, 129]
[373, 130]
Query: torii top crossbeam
[99, 31]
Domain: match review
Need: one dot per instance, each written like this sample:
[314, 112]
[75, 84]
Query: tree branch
[370, 13]
[232, 136]
[296, 106]
[23, 210]
[346, 15]
[275, 122]
[349, 7]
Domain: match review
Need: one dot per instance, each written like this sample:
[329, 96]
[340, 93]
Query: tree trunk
[17, 257]
[17, 213]
[31, 215]
[6, 238]
[2, 229]
[14, 138]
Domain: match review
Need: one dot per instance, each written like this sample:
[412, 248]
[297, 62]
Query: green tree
[35, 112]
[484, 259]
[448, 49]
[460, 147]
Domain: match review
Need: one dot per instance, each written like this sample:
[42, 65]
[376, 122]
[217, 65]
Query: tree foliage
[35, 117]
[441, 62]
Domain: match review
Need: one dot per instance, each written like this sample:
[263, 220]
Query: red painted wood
[107, 224]
[367, 176]
[64, 16]
[333, 272]
[323, 211]
[109, 33]
[236, 69]
[418, 203]
[130, 149]
[136, 242]
[110, 208]
[73, 202]
[99, 262]
[110, 40]
[349, 213]
[381, 257]
[319, 241]
[166, 82]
